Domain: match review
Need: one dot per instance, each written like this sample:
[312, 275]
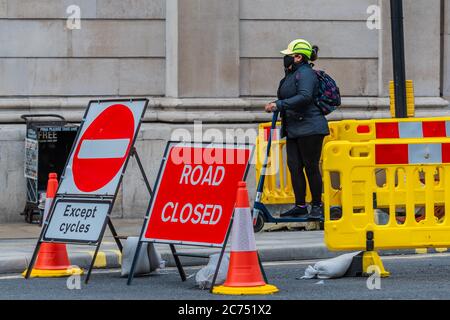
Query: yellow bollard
[410, 104]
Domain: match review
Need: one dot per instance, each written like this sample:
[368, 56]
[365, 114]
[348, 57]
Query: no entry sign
[195, 193]
[102, 147]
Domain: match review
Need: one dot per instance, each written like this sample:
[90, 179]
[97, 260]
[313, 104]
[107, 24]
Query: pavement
[275, 243]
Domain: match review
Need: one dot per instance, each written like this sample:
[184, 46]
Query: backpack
[329, 97]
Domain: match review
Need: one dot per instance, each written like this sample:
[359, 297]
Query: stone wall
[119, 49]
[210, 48]
[422, 27]
[348, 49]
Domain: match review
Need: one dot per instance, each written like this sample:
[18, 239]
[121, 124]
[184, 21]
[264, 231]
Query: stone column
[202, 48]
[422, 26]
[446, 48]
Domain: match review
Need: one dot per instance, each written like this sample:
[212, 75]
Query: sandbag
[204, 276]
[331, 268]
[148, 261]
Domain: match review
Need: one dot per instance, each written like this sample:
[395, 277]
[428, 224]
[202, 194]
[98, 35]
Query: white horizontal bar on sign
[410, 129]
[103, 149]
[208, 145]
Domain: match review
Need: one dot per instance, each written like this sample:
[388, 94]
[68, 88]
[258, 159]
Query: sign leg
[222, 252]
[262, 269]
[135, 258]
[92, 263]
[114, 233]
[33, 259]
[149, 188]
[96, 250]
[178, 263]
[141, 168]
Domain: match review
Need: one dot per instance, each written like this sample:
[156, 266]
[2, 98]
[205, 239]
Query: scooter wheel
[259, 223]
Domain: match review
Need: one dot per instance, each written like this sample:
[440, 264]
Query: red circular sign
[104, 148]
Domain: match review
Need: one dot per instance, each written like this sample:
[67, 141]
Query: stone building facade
[215, 61]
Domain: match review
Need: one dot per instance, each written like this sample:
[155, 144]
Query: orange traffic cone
[52, 260]
[244, 273]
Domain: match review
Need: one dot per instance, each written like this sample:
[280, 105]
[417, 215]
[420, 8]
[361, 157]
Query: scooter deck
[268, 217]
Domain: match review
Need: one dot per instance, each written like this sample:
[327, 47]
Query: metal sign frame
[80, 130]
[172, 144]
[92, 197]
[77, 200]
[175, 254]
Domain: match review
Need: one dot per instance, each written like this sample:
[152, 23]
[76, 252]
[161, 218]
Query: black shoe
[316, 212]
[295, 212]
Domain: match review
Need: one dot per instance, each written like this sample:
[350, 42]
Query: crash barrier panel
[365, 130]
[278, 187]
[409, 98]
[407, 211]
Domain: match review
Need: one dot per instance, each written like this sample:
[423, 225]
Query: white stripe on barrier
[242, 235]
[410, 129]
[447, 128]
[425, 153]
[103, 149]
[276, 134]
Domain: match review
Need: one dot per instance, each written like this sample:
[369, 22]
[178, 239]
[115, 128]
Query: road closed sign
[102, 147]
[195, 193]
[75, 220]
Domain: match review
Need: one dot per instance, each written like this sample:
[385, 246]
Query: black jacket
[300, 116]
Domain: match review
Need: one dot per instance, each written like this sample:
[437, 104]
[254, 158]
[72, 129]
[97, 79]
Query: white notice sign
[77, 220]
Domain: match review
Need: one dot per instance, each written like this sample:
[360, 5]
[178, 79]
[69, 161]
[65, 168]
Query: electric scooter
[261, 214]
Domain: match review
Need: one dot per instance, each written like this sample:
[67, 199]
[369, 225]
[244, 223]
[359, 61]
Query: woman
[303, 124]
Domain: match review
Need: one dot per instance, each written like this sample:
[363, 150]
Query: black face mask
[288, 61]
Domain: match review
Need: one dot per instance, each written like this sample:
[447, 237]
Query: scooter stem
[262, 176]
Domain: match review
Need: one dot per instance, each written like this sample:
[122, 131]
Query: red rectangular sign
[195, 193]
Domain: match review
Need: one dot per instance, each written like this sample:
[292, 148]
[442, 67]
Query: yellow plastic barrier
[278, 187]
[412, 201]
[366, 130]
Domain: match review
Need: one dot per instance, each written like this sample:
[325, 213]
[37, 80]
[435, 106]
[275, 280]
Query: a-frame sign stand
[135, 155]
[104, 112]
[174, 252]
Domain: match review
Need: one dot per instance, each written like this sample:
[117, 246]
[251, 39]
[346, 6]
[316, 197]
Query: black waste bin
[48, 142]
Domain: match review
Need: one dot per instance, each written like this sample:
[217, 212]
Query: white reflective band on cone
[242, 235]
[48, 204]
